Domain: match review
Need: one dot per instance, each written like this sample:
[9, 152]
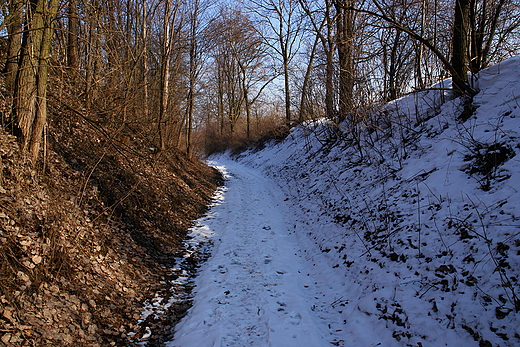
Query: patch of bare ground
[90, 234]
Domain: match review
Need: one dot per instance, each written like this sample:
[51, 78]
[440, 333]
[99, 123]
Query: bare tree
[14, 29]
[345, 23]
[169, 23]
[491, 24]
[324, 30]
[282, 36]
[460, 47]
[238, 57]
[30, 88]
[73, 36]
[459, 43]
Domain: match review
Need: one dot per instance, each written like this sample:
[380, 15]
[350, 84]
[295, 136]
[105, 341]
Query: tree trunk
[165, 73]
[328, 47]
[480, 27]
[193, 76]
[25, 88]
[145, 61]
[393, 83]
[460, 58]
[304, 100]
[14, 30]
[419, 81]
[42, 78]
[30, 103]
[73, 36]
[345, 38]
[287, 91]
[93, 55]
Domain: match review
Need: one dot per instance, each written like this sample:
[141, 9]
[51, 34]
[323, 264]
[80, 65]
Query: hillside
[410, 229]
[88, 236]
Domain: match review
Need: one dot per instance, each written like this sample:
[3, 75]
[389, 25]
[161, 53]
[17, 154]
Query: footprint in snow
[267, 259]
[294, 318]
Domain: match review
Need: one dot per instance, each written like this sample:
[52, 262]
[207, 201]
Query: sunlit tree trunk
[305, 98]
[345, 47]
[328, 47]
[14, 30]
[165, 73]
[30, 102]
[93, 53]
[144, 40]
[194, 66]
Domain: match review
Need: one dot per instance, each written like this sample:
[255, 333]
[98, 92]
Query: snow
[410, 239]
[252, 291]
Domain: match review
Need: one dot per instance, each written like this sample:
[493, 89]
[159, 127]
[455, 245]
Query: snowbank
[416, 229]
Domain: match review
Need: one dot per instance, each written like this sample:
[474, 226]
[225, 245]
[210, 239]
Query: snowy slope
[409, 239]
[416, 231]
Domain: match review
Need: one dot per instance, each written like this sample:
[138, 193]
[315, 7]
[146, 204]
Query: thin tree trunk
[165, 73]
[73, 36]
[42, 78]
[345, 38]
[304, 97]
[145, 62]
[420, 50]
[93, 55]
[393, 91]
[460, 59]
[14, 30]
[328, 46]
[284, 49]
[287, 90]
[193, 76]
[220, 108]
[30, 103]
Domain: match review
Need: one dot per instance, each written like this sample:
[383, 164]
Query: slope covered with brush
[89, 234]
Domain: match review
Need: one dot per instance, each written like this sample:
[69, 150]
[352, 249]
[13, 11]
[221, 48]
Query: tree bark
[420, 49]
[328, 46]
[146, 107]
[165, 73]
[73, 36]
[14, 30]
[93, 54]
[25, 85]
[30, 102]
[304, 98]
[192, 75]
[460, 38]
[345, 38]
[42, 78]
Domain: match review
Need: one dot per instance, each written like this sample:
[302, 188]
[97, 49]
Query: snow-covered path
[253, 291]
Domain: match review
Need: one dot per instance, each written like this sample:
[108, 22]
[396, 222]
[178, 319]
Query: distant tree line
[186, 74]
